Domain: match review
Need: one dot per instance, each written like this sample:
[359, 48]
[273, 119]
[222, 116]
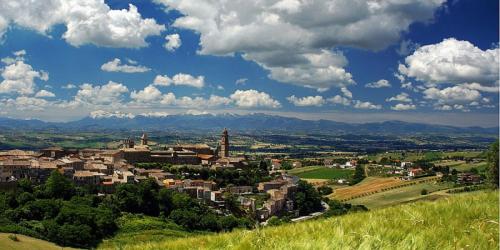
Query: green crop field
[25, 242]
[326, 173]
[401, 195]
[463, 221]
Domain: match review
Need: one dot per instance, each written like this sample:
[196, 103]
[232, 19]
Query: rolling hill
[460, 222]
[250, 122]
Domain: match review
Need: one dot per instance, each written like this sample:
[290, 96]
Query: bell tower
[224, 144]
[144, 139]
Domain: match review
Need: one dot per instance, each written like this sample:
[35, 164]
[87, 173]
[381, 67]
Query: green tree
[307, 198]
[359, 174]
[492, 157]
[58, 186]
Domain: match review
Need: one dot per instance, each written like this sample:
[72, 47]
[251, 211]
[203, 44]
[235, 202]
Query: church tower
[224, 145]
[144, 139]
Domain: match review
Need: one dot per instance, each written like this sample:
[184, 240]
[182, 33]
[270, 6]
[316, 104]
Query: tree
[492, 157]
[307, 199]
[325, 190]
[58, 186]
[359, 174]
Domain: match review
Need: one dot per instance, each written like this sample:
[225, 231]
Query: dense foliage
[493, 164]
[359, 174]
[307, 198]
[72, 216]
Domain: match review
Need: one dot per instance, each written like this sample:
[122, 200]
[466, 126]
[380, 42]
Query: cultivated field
[464, 221]
[317, 172]
[402, 195]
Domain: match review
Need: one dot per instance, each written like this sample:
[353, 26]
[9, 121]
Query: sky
[429, 61]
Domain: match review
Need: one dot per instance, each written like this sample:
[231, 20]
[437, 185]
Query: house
[240, 189]
[296, 164]
[413, 172]
[87, 178]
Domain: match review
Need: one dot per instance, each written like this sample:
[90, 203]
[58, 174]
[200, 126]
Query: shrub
[13, 237]
[424, 192]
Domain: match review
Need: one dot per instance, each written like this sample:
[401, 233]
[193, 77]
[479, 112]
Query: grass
[25, 242]
[325, 173]
[138, 228]
[464, 221]
[402, 195]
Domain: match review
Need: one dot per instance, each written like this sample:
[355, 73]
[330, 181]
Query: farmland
[402, 195]
[317, 172]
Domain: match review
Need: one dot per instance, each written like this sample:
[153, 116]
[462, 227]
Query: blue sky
[355, 61]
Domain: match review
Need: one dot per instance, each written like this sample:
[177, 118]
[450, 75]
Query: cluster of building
[109, 167]
[105, 169]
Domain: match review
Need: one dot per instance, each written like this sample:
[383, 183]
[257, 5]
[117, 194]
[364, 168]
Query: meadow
[26, 242]
[463, 221]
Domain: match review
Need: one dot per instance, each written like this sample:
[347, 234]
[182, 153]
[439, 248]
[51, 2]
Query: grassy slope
[462, 221]
[136, 228]
[26, 242]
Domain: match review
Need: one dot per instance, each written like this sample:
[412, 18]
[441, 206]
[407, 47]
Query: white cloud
[147, 95]
[19, 78]
[115, 65]
[108, 94]
[69, 86]
[402, 106]
[180, 79]
[346, 92]
[340, 100]
[452, 61]
[44, 93]
[156, 114]
[99, 114]
[173, 42]
[382, 83]
[23, 103]
[366, 105]
[294, 39]
[403, 97]
[253, 98]
[87, 22]
[317, 101]
[241, 81]
[482, 88]
[220, 87]
[452, 95]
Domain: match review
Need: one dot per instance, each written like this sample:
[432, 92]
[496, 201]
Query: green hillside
[25, 242]
[465, 221]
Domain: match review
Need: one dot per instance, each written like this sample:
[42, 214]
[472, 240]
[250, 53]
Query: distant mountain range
[250, 122]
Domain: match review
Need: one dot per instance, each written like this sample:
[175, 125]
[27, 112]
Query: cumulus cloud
[402, 106]
[403, 97]
[116, 65]
[44, 93]
[23, 103]
[293, 40]
[317, 101]
[147, 95]
[452, 95]
[87, 22]
[366, 105]
[346, 92]
[180, 79]
[19, 77]
[340, 100]
[452, 61]
[382, 83]
[173, 42]
[108, 94]
[253, 98]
